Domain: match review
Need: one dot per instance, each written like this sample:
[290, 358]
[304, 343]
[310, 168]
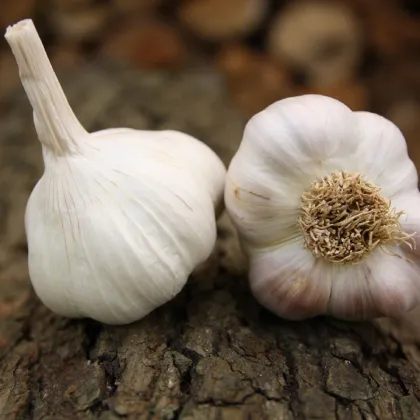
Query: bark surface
[211, 354]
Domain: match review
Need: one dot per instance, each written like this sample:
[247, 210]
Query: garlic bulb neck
[57, 127]
[344, 218]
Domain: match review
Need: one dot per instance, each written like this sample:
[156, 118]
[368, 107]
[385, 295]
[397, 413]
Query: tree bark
[212, 353]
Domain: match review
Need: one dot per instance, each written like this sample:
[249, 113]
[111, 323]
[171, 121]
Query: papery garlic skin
[120, 217]
[285, 148]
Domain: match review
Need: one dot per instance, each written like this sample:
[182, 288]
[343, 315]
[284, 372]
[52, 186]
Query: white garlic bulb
[120, 217]
[316, 192]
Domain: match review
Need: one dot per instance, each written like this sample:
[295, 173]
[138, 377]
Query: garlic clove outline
[323, 125]
[120, 217]
[287, 288]
[299, 287]
[382, 141]
[385, 284]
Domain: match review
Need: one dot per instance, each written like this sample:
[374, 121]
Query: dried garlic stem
[55, 122]
[344, 218]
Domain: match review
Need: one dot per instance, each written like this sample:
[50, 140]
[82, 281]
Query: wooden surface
[211, 354]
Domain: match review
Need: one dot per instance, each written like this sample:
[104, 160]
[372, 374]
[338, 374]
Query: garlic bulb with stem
[327, 207]
[120, 217]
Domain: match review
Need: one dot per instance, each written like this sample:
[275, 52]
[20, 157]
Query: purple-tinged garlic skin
[327, 207]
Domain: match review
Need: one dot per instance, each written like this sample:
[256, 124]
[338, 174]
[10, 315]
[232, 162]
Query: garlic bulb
[321, 39]
[219, 20]
[327, 207]
[120, 217]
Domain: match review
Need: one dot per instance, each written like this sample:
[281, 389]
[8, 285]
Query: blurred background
[365, 53]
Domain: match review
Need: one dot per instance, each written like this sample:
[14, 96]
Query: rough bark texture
[213, 352]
